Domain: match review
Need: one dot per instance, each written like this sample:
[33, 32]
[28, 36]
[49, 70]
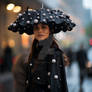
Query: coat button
[27, 82]
[30, 64]
[56, 76]
[48, 86]
[48, 73]
[53, 60]
[38, 78]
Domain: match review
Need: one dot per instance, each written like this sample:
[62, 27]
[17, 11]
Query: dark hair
[66, 59]
[49, 25]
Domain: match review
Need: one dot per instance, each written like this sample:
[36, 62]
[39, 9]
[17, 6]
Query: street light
[10, 6]
[17, 9]
[11, 43]
[25, 40]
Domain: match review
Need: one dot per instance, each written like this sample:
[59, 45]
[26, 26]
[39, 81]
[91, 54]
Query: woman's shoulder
[19, 63]
[58, 51]
[62, 55]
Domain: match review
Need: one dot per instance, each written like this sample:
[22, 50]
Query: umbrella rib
[42, 6]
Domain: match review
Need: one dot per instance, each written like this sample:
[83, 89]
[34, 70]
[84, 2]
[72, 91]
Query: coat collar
[46, 47]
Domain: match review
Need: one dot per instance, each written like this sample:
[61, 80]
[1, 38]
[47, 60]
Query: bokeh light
[11, 43]
[25, 40]
[10, 6]
[17, 9]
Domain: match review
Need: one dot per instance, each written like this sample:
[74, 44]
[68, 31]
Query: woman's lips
[41, 35]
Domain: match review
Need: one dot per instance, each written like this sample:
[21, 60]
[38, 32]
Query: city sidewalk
[73, 80]
[6, 82]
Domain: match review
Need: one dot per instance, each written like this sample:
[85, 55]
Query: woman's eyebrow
[35, 26]
[44, 25]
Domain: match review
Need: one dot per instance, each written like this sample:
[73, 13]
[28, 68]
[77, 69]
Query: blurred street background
[77, 44]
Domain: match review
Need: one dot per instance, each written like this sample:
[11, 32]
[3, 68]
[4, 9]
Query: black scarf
[42, 48]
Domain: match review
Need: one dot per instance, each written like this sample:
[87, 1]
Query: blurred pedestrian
[89, 54]
[70, 55]
[1, 65]
[82, 60]
[7, 59]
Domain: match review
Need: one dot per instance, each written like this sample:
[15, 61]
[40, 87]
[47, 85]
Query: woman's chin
[41, 38]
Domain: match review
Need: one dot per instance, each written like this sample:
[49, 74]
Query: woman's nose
[40, 30]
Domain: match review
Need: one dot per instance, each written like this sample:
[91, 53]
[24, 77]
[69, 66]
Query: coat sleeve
[61, 71]
[19, 74]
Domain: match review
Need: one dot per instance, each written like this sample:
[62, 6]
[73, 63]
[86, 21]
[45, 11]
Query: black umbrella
[56, 20]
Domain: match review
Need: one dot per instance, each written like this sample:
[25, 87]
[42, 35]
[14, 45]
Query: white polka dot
[28, 22]
[48, 86]
[44, 20]
[53, 60]
[22, 18]
[51, 17]
[26, 81]
[30, 64]
[38, 78]
[20, 14]
[56, 76]
[35, 20]
[14, 24]
[48, 73]
[44, 14]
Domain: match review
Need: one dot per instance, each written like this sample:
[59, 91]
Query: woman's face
[41, 31]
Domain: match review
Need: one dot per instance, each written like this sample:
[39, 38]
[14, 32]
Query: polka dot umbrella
[56, 19]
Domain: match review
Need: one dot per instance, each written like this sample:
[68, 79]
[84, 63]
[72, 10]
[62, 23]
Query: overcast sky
[87, 3]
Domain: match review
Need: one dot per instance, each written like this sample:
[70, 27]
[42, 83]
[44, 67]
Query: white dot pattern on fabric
[48, 73]
[26, 81]
[56, 76]
[38, 78]
[28, 22]
[48, 86]
[30, 64]
[35, 20]
[53, 60]
[14, 24]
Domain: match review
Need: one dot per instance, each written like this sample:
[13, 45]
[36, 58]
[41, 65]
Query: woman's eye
[43, 27]
[35, 28]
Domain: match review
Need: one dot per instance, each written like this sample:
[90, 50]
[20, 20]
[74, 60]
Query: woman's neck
[46, 42]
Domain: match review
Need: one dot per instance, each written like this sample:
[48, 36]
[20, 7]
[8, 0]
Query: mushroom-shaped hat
[56, 20]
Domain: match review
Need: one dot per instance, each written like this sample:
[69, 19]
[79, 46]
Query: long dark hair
[32, 50]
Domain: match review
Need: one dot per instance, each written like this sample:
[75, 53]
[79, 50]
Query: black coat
[56, 72]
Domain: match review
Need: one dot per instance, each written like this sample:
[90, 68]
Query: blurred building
[9, 16]
[80, 15]
[73, 7]
[79, 11]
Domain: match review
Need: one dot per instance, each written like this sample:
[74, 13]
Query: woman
[44, 69]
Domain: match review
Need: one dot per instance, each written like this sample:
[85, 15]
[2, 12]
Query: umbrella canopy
[55, 19]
